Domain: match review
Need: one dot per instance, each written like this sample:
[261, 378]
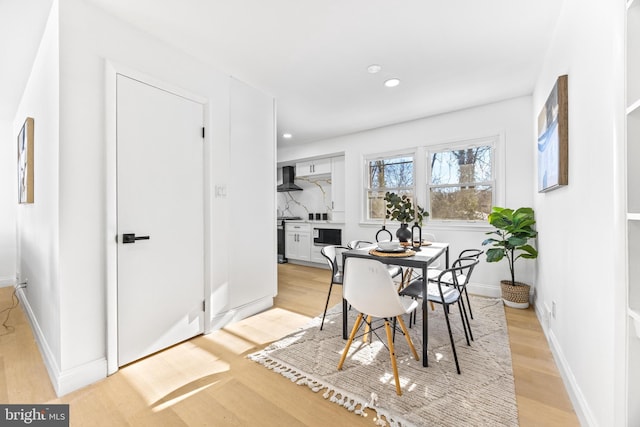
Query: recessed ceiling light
[287, 135]
[392, 82]
[374, 68]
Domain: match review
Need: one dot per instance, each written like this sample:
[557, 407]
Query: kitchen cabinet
[313, 167]
[316, 255]
[337, 188]
[297, 244]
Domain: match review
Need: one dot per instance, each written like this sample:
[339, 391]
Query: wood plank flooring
[207, 381]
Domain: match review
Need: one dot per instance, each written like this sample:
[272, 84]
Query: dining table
[418, 260]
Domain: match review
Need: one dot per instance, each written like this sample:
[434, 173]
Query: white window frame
[365, 179]
[496, 141]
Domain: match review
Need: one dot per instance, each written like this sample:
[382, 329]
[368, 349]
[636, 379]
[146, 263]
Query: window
[393, 173]
[461, 181]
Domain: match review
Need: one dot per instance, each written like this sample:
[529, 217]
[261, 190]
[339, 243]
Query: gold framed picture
[553, 139]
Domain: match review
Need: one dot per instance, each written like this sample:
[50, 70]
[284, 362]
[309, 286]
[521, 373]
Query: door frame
[112, 69]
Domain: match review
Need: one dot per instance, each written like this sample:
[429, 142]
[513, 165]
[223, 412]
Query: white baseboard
[220, 320]
[7, 281]
[308, 263]
[81, 376]
[484, 290]
[68, 380]
[580, 404]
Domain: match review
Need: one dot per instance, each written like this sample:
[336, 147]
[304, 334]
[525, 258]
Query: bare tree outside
[461, 183]
[388, 174]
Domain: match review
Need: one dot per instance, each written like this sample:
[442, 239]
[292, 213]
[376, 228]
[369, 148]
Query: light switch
[220, 191]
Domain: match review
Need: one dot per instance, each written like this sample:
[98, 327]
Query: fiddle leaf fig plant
[513, 231]
[401, 208]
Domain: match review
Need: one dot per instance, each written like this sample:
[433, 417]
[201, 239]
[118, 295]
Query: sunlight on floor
[405, 383]
[268, 326]
[174, 374]
[230, 342]
[365, 353]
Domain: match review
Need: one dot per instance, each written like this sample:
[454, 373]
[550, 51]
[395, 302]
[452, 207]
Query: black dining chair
[447, 293]
[330, 253]
[467, 253]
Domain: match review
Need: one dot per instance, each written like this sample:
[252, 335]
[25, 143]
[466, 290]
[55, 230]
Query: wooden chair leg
[351, 337]
[433, 307]
[367, 330]
[408, 338]
[392, 351]
[406, 278]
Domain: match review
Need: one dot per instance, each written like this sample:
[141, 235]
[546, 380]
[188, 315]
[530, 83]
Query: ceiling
[21, 26]
[312, 56]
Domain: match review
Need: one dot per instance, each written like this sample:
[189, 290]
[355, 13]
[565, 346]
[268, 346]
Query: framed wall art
[25, 162]
[553, 139]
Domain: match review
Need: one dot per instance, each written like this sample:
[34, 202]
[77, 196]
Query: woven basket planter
[515, 296]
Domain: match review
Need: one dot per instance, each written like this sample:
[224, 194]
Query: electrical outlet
[553, 309]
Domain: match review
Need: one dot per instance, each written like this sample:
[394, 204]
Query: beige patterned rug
[483, 395]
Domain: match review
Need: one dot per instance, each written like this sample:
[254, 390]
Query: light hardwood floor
[207, 381]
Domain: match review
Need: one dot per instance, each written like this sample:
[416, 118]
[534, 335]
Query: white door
[160, 219]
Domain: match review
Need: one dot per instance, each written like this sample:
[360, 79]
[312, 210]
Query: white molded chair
[368, 287]
[394, 270]
[357, 244]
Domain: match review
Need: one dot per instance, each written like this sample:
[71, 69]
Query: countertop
[306, 221]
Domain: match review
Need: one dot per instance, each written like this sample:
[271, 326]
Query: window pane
[461, 203]
[466, 165]
[391, 172]
[377, 207]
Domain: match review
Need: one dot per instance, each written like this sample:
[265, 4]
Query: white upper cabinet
[313, 167]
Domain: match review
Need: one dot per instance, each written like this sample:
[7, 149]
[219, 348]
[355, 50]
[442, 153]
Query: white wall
[8, 201]
[511, 119]
[252, 197]
[63, 235]
[581, 244]
[37, 223]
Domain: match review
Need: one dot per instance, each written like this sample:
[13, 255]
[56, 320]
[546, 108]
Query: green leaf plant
[400, 208]
[513, 231]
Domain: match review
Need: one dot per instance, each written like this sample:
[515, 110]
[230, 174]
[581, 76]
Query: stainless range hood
[288, 175]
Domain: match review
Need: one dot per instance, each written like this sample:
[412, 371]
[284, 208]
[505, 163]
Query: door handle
[131, 238]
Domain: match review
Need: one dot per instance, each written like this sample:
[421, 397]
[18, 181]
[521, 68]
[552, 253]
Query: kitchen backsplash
[315, 198]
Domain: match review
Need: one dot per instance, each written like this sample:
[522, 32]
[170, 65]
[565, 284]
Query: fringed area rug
[483, 395]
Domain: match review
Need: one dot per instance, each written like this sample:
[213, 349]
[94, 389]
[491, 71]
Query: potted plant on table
[513, 231]
[401, 208]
